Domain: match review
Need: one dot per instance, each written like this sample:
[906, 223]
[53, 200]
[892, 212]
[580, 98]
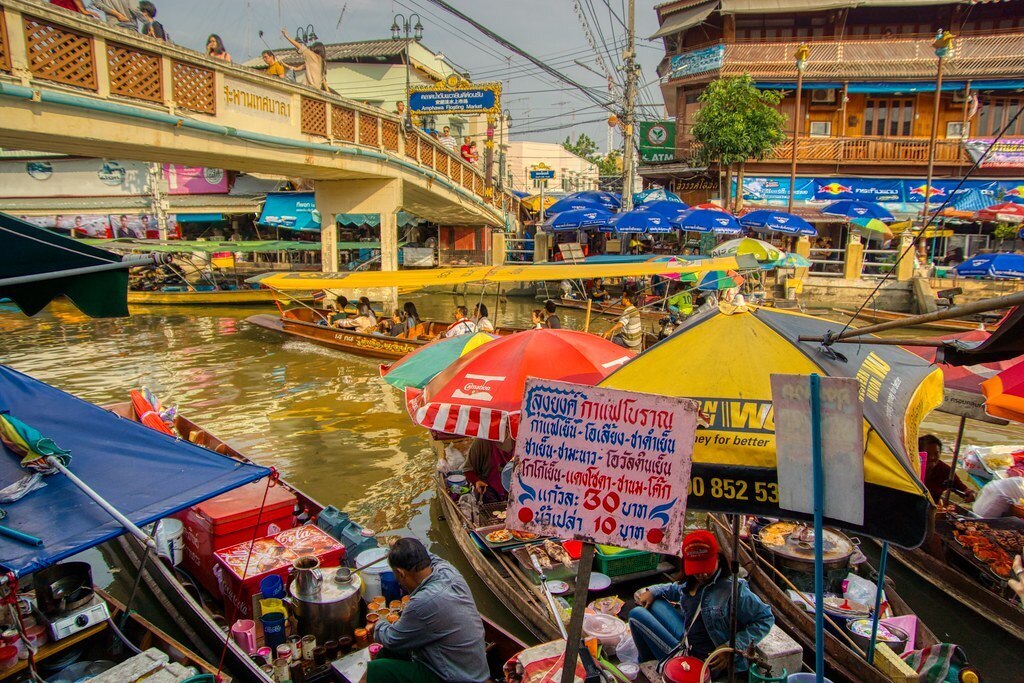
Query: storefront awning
[290, 210]
[372, 220]
[687, 18]
[199, 217]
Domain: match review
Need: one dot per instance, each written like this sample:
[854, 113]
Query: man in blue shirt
[440, 636]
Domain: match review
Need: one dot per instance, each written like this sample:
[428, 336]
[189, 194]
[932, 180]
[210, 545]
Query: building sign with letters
[244, 97]
[603, 465]
[455, 95]
[697, 61]
[657, 141]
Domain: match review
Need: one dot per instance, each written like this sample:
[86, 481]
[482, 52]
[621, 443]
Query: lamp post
[801, 55]
[943, 45]
[403, 27]
[306, 35]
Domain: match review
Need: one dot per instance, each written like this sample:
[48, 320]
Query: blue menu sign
[542, 174]
[469, 101]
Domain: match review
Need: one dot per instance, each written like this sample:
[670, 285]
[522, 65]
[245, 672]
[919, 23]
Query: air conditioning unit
[824, 97]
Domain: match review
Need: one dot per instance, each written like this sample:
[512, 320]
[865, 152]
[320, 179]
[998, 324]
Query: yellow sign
[246, 98]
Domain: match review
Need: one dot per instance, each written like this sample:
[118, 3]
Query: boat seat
[417, 332]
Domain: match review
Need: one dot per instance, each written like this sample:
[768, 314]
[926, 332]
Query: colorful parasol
[34, 448]
[1001, 265]
[764, 252]
[793, 260]
[734, 457]
[655, 194]
[533, 202]
[423, 364]
[1004, 394]
[1009, 212]
[874, 226]
[480, 394]
[715, 280]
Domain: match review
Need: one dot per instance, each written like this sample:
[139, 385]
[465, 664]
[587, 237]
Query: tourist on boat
[364, 321]
[486, 460]
[462, 324]
[937, 473]
[393, 326]
[364, 303]
[597, 291]
[412, 316]
[693, 615]
[337, 311]
[551, 319]
[483, 323]
[997, 497]
[537, 319]
[627, 331]
[439, 636]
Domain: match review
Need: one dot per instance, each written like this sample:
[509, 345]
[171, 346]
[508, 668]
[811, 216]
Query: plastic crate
[626, 562]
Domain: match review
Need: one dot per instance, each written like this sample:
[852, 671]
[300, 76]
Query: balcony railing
[861, 150]
[987, 56]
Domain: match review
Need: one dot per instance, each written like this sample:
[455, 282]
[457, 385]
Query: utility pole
[629, 118]
[158, 202]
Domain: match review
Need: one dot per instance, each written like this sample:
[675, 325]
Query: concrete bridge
[74, 85]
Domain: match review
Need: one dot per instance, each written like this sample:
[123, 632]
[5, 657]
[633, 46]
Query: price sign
[602, 465]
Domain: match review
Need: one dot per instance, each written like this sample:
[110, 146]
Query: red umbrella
[147, 414]
[480, 394]
[996, 211]
[1005, 394]
[710, 205]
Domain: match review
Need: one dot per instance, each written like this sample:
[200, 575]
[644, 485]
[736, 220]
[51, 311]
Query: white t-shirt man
[997, 496]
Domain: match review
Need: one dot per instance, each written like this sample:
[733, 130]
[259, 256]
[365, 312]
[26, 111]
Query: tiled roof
[344, 52]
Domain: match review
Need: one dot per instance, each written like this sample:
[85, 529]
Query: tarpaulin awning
[724, 359]
[247, 246]
[290, 210]
[27, 250]
[199, 217]
[682, 20]
[415, 279]
[373, 219]
[144, 474]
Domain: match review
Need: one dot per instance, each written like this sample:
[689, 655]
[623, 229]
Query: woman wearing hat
[693, 616]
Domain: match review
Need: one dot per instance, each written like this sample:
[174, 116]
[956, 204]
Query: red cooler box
[270, 555]
[230, 519]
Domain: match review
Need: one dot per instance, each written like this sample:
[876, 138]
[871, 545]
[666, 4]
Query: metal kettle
[326, 601]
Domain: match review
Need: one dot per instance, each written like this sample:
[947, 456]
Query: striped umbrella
[793, 260]
[715, 280]
[480, 394]
[873, 225]
[423, 364]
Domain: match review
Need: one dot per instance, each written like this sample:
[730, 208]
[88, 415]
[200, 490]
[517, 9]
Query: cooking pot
[327, 606]
[684, 670]
[792, 547]
[63, 587]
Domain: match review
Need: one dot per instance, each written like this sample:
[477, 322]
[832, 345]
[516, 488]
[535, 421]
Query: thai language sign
[698, 61]
[243, 97]
[842, 445]
[774, 190]
[462, 101]
[603, 465]
[1007, 153]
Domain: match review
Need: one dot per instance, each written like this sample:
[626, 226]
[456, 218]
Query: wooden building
[868, 93]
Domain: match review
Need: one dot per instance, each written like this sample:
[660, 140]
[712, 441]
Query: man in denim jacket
[697, 608]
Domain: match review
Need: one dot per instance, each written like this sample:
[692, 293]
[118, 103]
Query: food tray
[489, 513]
[557, 571]
[625, 562]
[482, 532]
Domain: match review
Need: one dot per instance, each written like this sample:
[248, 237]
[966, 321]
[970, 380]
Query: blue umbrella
[708, 220]
[573, 203]
[1015, 198]
[520, 194]
[666, 208]
[992, 265]
[777, 221]
[578, 219]
[853, 208]
[655, 194]
[640, 221]
[608, 200]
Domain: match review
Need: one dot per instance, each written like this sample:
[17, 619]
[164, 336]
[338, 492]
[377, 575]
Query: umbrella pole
[818, 471]
[956, 458]
[99, 500]
[586, 324]
[497, 306]
[733, 616]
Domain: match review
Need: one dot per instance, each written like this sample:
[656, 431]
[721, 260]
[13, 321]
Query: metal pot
[796, 549]
[63, 587]
[332, 610]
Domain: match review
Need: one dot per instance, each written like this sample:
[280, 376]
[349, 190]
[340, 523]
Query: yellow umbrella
[724, 360]
[533, 202]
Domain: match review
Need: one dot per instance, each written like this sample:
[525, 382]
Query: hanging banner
[73, 178]
[195, 180]
[657, 141]
[455, 95]
[1007, 153]
[698, 61]
[603, 465]
[774, 190]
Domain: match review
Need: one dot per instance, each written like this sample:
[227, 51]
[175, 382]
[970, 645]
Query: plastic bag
[859, 589]
[454, 458]
[626, 650]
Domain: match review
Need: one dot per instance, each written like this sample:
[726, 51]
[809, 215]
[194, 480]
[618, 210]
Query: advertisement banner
[195, 180]
[769, 190]
[602, 465]
[106, 226]
[1007, 153]
[774, 190]
[657, 141]
[698, 61]
[73, 178]
[866, 189]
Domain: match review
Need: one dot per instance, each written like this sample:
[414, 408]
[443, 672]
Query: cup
[272, 586]
[281, 669]
[284, 651]
[372, 618]
[273, 629]
[319, 655]
[268, 605]
[295, 643]
[308, 645]
[375, 649]
[332, 650]
[243, 632]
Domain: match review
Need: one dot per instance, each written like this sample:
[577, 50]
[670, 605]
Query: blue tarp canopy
[142, 473]
[290, 210]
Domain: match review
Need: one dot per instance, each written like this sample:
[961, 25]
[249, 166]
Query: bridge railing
[43, 45]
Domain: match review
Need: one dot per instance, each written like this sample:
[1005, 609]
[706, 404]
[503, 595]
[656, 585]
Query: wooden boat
[609, 309]
[224, 297]
[206, 626]
[844, 663]
[310, 324]
[877, 316]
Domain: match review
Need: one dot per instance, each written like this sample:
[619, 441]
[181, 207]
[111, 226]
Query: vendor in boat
[693, 616]
[462, 324]
[486, 460]
[627, 331]
[997, 497]
[597, 291]
[440, 636]
[937, 473]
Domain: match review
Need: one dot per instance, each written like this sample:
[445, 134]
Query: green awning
[28, 252]
[372, 220]
[210, 247]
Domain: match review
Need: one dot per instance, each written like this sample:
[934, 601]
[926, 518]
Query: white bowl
[607, 629]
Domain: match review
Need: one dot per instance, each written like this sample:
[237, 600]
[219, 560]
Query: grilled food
[556, 552]
[500, 536]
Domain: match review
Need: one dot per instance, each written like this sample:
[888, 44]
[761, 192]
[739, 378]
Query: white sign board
[603, 465]
[842, 445]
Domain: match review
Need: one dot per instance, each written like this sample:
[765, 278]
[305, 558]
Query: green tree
[584, 147]
[610, 164]
[737, 122]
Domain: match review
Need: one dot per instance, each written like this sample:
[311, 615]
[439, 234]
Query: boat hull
[223, 297]
[876, 316]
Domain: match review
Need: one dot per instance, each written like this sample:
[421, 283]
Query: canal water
[323, 418]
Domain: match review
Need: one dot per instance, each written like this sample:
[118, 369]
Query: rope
[11, 600]
[271, 482]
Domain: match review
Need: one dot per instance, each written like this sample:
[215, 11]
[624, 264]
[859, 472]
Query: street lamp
[943, 46]
[401, 25]
[801, 55]
[306, 35]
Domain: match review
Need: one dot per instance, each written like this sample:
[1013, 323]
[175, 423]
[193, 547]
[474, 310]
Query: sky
[548, 29]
